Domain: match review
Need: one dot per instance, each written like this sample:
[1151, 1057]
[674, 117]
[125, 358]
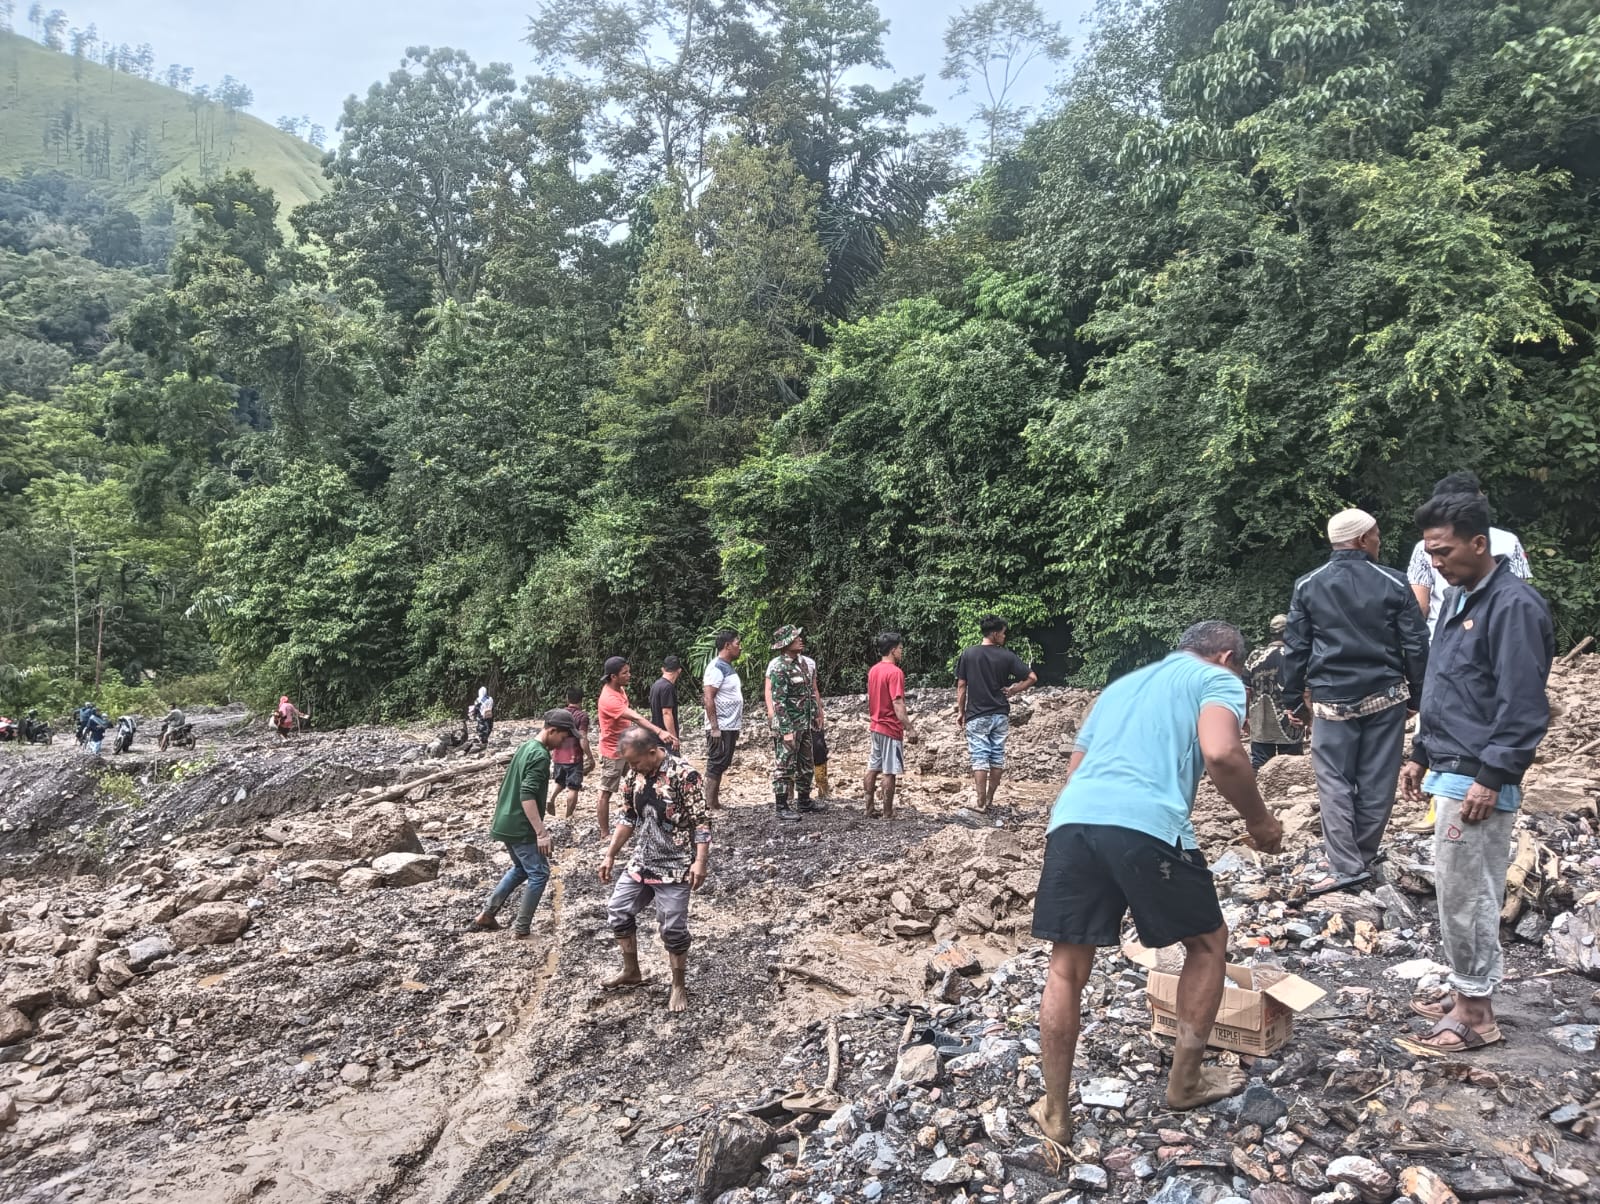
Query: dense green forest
[690, 327]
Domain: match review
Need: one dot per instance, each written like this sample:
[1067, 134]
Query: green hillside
[134, 137]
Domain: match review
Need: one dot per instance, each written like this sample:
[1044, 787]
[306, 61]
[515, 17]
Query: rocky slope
[241, 974]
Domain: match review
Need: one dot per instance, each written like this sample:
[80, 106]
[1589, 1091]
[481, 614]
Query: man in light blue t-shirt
[1120, 839]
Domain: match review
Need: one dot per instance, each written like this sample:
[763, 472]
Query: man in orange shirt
[616, 717]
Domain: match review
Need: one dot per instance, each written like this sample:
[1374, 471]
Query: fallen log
[1522, 864]
[395, 793]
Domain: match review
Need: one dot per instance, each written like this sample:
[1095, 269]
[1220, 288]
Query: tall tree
[989, 47]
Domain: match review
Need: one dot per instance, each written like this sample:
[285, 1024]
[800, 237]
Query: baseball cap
[615, 664]
[561, 718]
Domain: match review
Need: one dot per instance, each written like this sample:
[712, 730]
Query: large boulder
[14, 1026]
[374, 832]
[151, 948]
[406, 869]
[211, 924]
[730, 1152]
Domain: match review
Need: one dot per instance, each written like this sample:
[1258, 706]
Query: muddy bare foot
[624, 981]
[1058, 1130]
[1215, 1082]
[678, 1001]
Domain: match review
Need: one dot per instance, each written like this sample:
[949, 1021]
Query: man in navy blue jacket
[1483, 714]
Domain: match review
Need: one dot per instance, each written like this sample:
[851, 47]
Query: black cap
[615, 664]
[561, 718]
[671, 663]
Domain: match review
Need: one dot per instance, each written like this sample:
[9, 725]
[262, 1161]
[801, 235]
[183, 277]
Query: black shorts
[1096, 873]
[719, 753]
[568, 777]
[819, 747]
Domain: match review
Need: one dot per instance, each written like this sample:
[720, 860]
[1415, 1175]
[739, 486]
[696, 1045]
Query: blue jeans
[528, 866]
[986, 741]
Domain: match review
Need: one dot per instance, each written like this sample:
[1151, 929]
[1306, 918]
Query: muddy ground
[353, 1043]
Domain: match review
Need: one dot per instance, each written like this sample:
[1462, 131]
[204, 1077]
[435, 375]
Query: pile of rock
[970, 881]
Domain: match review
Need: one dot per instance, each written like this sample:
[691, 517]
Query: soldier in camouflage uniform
[795, 708]
[1271, 733]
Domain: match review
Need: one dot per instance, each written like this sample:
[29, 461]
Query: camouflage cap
[786, 635]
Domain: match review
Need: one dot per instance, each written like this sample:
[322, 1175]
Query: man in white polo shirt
[1428, 585]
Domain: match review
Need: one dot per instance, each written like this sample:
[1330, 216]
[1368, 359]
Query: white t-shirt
[722, 677]
[1420, 571]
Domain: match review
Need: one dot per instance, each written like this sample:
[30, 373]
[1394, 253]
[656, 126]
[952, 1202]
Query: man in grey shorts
[887, 721]
[664, 813]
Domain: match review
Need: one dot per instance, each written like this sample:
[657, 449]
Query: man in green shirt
[519, 824]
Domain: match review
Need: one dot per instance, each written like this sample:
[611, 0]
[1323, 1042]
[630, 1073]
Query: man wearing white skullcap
[1356, 638]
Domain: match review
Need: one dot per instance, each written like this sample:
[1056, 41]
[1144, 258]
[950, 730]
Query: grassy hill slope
[134, 137]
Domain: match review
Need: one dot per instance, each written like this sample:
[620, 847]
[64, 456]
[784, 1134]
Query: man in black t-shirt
[988, 676]
[664, 695]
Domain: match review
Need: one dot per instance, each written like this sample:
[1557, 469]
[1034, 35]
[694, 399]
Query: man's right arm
[709, 695]
[1229, 767]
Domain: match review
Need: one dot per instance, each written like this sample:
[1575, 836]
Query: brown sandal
[1436, 1010]
[1469, 1037]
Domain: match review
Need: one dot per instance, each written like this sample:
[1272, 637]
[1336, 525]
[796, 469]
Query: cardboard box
[1249, 1021]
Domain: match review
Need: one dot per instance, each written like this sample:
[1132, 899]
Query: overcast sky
[306, 56]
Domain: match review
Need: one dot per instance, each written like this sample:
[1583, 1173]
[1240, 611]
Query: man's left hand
[1479, 803]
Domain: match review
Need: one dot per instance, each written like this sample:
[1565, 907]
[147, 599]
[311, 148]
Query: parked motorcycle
[126, 728]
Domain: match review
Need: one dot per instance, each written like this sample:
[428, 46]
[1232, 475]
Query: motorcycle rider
[172, 727]
[82, 716]
[126, 727]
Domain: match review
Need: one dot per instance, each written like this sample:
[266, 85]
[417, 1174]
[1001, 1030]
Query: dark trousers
[1261, 753]
[1357, 762]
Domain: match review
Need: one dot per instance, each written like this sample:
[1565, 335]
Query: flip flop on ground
[1332, 883]
[1466, 1039]
[1436, 1009]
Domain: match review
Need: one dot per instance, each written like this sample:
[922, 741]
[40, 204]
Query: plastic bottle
[1266, 967]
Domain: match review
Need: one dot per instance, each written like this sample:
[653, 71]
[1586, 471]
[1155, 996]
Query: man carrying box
[1120, 839]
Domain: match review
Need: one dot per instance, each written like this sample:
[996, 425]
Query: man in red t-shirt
[888, 722]
[616, 717]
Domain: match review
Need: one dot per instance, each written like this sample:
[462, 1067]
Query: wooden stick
[1578, 649]
[810, 975]
[1522, 864]
[444, 775]
[1584, 751]
[833, 1055]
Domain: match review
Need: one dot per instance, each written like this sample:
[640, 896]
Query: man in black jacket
[1484, 712]
[1357, 639]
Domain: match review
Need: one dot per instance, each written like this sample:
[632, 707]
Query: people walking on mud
[616, 716]
[1357, 640]
[794, 710]
[1121, 839]
[481, 713]
[665, 818]
[988, 676]
[1271, 733]
[80, 719]
[573, 759]
[95, 727]
[1484, 714]
[288, 718]
[887, 722]
[519, 824]
[723, 695]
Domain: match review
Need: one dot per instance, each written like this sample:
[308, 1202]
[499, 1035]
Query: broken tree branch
[1524, 863]
[821, 980]
[444, 775]
[833, 1055]
[1578, 649]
